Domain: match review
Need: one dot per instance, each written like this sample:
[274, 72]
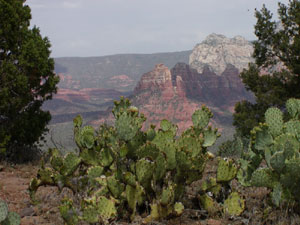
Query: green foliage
[233, 148]
[278, 46]
[7, 217]
[277, 143]
[121, 171]
[27, 77]
[216, 194]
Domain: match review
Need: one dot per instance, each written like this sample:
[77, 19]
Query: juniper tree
[27, 77]
[275, 75]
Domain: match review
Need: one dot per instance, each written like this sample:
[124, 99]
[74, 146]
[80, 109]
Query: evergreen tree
[275, 75]
[26, 77]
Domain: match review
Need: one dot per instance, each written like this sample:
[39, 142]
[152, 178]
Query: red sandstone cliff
[175, 94]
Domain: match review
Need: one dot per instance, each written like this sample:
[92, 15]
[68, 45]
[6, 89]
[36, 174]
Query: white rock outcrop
[217, 51]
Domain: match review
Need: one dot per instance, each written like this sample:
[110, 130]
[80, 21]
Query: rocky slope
[217, 51]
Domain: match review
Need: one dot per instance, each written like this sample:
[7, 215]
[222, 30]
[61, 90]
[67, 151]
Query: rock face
[160, 95]
[217, 51]
[175, 94]
[210, 88]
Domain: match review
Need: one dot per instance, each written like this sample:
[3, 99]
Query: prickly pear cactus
[121, 171]
[6, 217]
[216, 194]
[277, 143]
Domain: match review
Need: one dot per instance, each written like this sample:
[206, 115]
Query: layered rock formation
[175, 94]
[217, 51]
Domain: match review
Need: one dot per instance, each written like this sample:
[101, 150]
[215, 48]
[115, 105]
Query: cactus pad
[130, 179]
[144, 172]
[210, 137]
[165, 125]
[90, 214]
[115, 187]
[3, 210]
[67, 212]
[263, 177]
[148, 150]
[274, 119]
[226, 170]
[262, 138]
[208, 204]
[234, 205]
[167, 196]
[161, 167]
[277, 194]
[105, 157]
[277, 161]
[293, 127]
[126, 126]
[12, 219]
[71, 162]
[293, 107]
[201, 118]
[178, 208]
[293, 167]
[56, 162]
[86, 136]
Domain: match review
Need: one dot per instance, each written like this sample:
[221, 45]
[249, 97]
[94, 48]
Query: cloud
[101, 27]
[71, 5]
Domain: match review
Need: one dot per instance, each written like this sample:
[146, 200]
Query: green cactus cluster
[216, 194]
[7, 217]
[273, 158]
[121, 171]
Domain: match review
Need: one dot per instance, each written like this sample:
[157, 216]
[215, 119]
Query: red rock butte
[175, 94]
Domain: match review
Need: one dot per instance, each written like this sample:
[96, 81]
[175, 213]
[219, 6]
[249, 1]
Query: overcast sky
[105, 27]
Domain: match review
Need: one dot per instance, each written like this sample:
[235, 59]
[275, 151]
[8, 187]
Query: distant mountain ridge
[91, 83]
[120, 72]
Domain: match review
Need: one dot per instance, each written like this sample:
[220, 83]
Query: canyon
[173, 87]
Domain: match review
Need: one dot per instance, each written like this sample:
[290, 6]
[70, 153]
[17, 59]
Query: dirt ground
[14, 181]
